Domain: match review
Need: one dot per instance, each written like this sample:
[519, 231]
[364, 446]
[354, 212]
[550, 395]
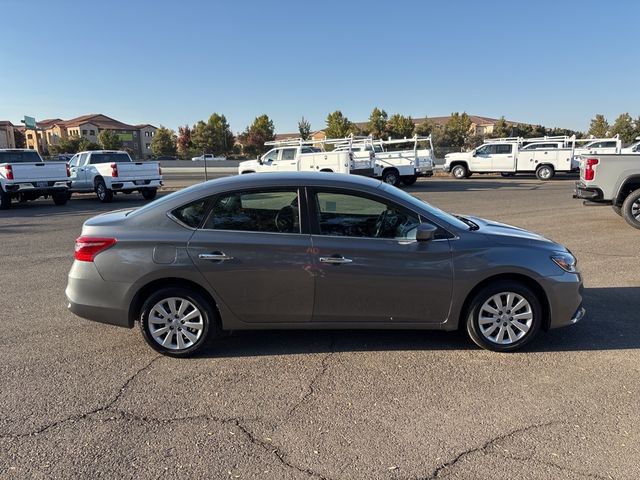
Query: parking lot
[85, 399]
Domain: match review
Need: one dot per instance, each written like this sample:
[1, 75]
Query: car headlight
[565, 261]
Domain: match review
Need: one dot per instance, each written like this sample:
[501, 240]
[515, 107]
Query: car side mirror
[259, 158]
[426, 232]
[473, 154]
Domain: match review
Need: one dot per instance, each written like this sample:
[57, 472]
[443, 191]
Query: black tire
[631, 209]
[5, 200]
[103, 193]
[545, 172]
[149, 193]
[504, 321]
[391, 176]
[409, 180]
[459, 171]
[617, 209]
[60, 198]
[209, 324]
[327, 170]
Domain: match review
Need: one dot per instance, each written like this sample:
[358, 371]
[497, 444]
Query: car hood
[249, 163]
[457, 156]
[509, 235]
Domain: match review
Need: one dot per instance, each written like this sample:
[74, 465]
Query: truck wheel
[5, 200]
[545, 172]
[631, 209]
[391, 176]
[409, 180]
[149, 193]
[459, 172]
[104, 194]
[60, 198]
[504, 316]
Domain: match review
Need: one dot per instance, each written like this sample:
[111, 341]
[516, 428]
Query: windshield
[19, 157]
[421, 204]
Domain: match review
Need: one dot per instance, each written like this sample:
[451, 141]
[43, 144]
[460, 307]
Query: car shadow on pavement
[613, 317]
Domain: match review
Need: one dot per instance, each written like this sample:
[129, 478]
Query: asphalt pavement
[81, 399]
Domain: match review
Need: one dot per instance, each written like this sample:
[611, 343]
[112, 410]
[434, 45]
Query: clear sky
[175, 62]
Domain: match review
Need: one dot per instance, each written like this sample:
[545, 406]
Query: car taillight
[589, 172]
[9, 170]
[68, 170]
[88, 247]
[114, 169]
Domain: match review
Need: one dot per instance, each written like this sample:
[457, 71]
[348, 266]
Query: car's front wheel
[504, 316]
[459, 172]
[177, 322]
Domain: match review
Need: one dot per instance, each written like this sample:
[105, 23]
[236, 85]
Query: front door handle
[335, 260]
[219, 256]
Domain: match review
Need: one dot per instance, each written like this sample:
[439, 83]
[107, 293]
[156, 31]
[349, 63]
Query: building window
[135, 145]
[84, 132]
[29, 136]
[93, 132]
[147, 146]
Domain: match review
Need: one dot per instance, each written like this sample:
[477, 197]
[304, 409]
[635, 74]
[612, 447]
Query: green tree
[636, 129]
[624, 127]
[599, 126]
[501, 129]
[338, 126]
[214, 136]
[163, 142]
[456, 131]
[377, 123]
[304, 127]
[255, 135]
[19, 137]
[109, 140]
[400, 126]
[85, 145]
[425, 128]
[183, 142]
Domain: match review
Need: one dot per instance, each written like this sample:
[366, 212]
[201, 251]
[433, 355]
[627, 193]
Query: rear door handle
[219, 256]
[335, 260]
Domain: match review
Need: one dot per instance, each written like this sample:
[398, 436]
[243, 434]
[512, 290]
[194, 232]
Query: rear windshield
[109, 158]
[19, 157]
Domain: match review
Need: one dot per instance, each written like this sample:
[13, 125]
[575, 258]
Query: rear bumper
[135, 184]
[91, 297]
[44, 187]
[592, 194]
[424, 171]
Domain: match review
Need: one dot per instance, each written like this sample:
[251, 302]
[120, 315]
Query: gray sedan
[316, 251]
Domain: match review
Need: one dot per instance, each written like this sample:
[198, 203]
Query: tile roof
[99, 120]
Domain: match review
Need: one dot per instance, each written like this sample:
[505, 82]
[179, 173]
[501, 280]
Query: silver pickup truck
[612, 179]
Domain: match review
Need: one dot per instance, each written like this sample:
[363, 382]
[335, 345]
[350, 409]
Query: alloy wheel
[175, 323]
[505, 318]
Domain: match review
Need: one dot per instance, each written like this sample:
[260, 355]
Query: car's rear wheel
[177, 322]
[459, 172]
[631, 209]
[5, 200]
[504, 316]
[545, 172]
[102, 192]
[409, 180]
[149, 193]
[60, 198]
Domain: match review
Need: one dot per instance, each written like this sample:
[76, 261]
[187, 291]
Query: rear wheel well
[143, 293]
[627, 189]
[327, 170]
[247, 171]
[513, 277]
[98, 178]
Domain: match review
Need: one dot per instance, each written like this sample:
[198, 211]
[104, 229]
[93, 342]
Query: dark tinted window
[119, 157]
[19, 157]
[256, 211]
[349, 215]
[503, 148]
[191, 214]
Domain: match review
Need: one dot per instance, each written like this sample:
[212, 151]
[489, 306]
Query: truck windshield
[115, 157]
[19, 156]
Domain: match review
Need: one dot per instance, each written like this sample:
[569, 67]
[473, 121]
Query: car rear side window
[503, 148]
[273, 211]
[191, 214]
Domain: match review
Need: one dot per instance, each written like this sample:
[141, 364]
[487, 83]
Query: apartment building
[7, 135]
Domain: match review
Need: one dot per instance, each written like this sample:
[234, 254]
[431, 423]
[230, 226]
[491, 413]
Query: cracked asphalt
[80, 399]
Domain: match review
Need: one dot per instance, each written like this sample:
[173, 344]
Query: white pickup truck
[25, 176]
[511, 156]
[108, 171]
[395, 167]
[304, 158]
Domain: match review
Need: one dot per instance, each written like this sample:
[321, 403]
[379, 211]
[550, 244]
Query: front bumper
[592, 194]
[564, 293]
